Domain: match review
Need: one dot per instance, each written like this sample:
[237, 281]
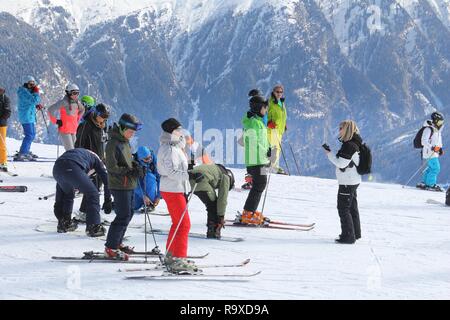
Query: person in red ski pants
[176, 204]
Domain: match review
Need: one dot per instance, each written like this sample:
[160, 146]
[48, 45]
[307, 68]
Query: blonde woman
[348, 178]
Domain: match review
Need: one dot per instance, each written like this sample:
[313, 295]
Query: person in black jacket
[5, 113]
[346, 160]
[71, 171]
[91, 135]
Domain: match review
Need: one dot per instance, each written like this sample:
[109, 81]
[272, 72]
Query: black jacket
[88, 161]
[91, 137]
[5, 110]
[349, 148]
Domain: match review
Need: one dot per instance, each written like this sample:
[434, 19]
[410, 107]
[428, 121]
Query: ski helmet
[88, 101]
[255, 92]
[128, 121]
[72, 87]
[437, 116]
[27, 79]
[102, 110]
[256, 103]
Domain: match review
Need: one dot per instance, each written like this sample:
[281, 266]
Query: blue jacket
[27, 102]
[149, 184]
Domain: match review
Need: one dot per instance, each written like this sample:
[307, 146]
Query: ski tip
[245, 262]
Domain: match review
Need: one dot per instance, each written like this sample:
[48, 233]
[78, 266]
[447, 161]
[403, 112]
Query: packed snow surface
[404, 252]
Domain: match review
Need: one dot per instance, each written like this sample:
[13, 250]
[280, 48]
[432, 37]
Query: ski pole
[267, 189]
[284, 157]
[295, 159]
[182, 217]
[45, 121]
[421, 167]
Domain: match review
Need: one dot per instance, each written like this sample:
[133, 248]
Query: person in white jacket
[174, 186]
[431, 151]
[348, 178]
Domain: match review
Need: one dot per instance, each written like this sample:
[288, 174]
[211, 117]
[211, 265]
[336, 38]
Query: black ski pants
[211, 207]
[348, 212]
[123, 207]
[259, 177]
[70, 176]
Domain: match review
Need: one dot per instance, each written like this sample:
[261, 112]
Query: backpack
[418, 138]
[365, 160]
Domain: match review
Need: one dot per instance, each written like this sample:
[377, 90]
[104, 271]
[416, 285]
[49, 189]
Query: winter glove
[196, 176]
[272, 156]
[285, 128]
[59, 123]
[269, 152]
[441, 152]
[39, 107]
[107, 206]
[35, 89]
[271, 125]
[190, 166]
[137, 171]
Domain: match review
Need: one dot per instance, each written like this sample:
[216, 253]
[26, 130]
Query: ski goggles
[131, 126]
[74, 93]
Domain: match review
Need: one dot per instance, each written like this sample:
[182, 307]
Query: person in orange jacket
[66, 114]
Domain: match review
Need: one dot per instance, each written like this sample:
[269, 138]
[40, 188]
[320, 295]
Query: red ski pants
[176, 203]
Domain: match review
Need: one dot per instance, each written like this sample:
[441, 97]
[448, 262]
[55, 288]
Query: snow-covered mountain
[384, 63]
[402, 253]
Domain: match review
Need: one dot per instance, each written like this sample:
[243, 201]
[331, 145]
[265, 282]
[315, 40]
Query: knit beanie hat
[170, 125]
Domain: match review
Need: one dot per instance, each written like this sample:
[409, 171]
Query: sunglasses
[75, 93]
[279, 91]
[440, 122]
[148, 159]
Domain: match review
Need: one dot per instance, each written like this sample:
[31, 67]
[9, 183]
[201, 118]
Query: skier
[210, 177]
[348, 178]
[248, 178]
[123, 174]
[28, 101]
[173, 168]
[257, 158]
[71, 171]
[66, 114]
[431, 151]
[88, 103]
[91, 136]
[147, 190]
[277, 117]
[5, 113]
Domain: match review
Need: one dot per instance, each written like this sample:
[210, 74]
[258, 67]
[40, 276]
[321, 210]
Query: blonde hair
[349, 128]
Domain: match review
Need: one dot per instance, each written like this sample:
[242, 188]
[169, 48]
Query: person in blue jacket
[28, 102]
[147, 190]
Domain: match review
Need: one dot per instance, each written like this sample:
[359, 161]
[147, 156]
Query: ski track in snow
[403, 254]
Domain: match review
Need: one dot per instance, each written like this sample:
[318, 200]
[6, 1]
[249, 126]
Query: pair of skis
[97, 257]
[271, 224]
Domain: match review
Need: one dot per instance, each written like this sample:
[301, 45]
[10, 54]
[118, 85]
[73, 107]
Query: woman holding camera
[349, 179]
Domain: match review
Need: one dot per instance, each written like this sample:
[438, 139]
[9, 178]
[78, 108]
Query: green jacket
[119, 162]
[256, 143]
[277, 114]
[214, 179]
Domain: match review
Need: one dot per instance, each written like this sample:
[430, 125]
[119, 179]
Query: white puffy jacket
[431, 140]
[173, 164]
[349, 152]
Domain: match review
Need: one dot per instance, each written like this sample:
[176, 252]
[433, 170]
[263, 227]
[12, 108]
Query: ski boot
[116, 254]
[343, 240]
[95, 230]
[126, 249]
[66, 225]
[3, 167]
[280, 170]
[20, 157]
[80, 217]
[252, 218]
[421, 185]
[32, 155]
[435, 188]
[180, 265]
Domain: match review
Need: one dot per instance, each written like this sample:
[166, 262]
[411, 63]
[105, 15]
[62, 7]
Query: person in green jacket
[210, 177]
[277, 118]
[257, 157]
[123, 175]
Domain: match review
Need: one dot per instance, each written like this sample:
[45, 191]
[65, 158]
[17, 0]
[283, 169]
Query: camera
[326, 147]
